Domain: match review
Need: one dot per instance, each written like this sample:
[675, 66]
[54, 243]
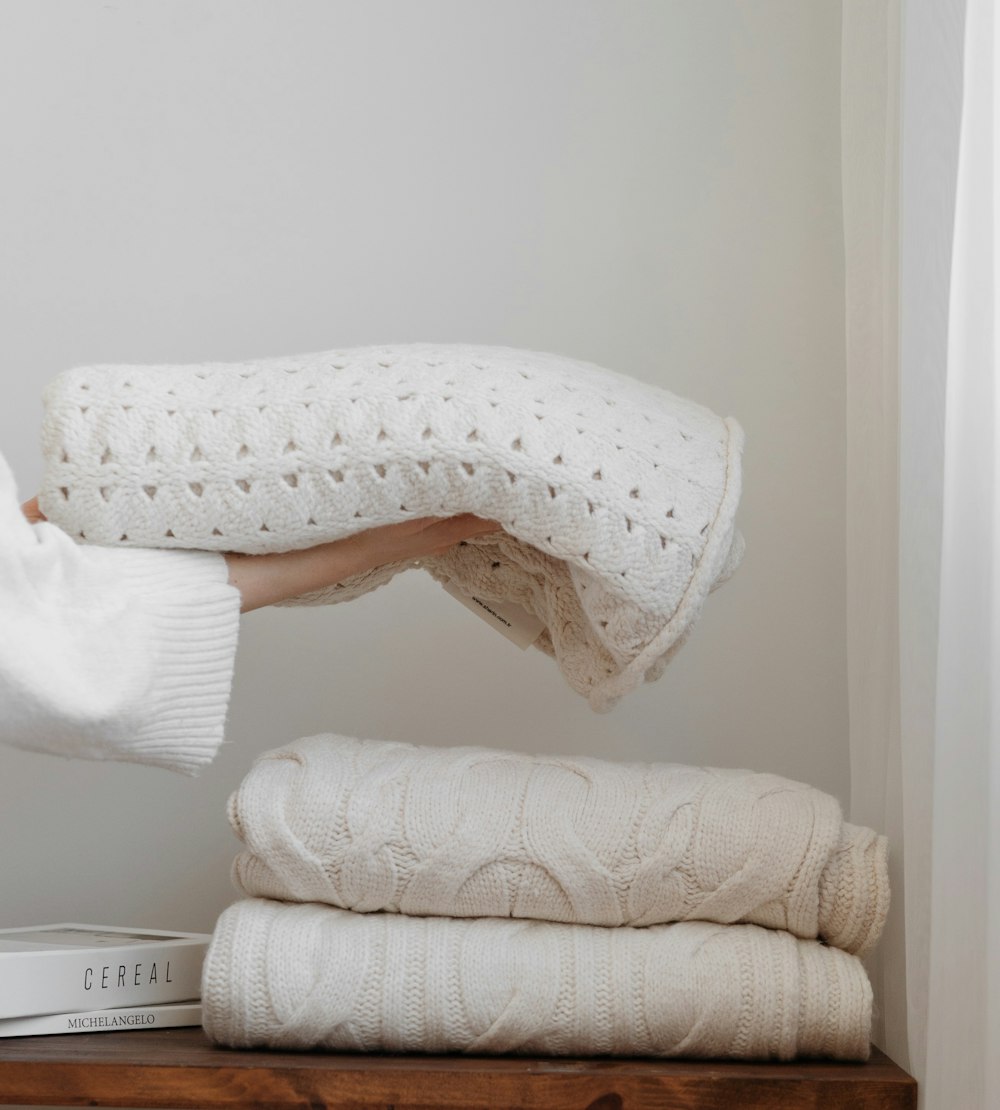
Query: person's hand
[427, 535]
[32, 511]
[266, 579]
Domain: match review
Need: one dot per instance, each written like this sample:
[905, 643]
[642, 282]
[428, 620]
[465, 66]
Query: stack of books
[73, 978]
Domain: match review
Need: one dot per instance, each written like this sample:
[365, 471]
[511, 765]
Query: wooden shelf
[179, 1068]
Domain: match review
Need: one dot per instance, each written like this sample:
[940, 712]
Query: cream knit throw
[617, 498]
[476, 832]
[307, 976]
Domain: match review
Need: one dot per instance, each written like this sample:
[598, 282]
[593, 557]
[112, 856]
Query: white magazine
[65, 968]
[104, 1021]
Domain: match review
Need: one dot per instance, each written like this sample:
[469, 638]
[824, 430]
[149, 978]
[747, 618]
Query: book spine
[100, 1021]
[91, 979]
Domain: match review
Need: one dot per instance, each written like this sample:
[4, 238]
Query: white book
[99, 1021]
[58, 969]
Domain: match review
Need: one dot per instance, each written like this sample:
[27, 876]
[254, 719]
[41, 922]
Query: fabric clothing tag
[510, 620]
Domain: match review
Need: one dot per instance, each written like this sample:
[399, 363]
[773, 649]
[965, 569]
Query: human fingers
[432, 535]
[32, 511]
[266, 579]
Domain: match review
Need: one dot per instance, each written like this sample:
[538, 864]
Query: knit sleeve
[112, 653]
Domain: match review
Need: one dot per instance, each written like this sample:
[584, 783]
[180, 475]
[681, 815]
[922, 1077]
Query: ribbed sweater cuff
[194, 613]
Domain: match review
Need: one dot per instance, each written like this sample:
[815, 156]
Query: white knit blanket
[617, 499]
[309, 976]
[475, 832]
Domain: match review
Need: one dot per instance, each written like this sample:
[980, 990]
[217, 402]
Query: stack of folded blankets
[420, 899]
[465, 899]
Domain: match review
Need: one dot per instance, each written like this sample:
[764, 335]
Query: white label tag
[510, 620]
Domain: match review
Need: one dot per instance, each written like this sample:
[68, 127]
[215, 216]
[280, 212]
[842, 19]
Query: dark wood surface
[179, 1068]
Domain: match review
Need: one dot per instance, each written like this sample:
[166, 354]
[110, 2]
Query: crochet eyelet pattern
[617, 499]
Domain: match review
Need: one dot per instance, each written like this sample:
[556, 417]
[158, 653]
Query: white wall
[653, 186]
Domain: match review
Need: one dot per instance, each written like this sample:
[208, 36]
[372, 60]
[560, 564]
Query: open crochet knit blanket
[617, 499]
[475, 832]
[310, 976]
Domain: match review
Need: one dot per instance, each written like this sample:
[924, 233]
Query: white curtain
[924, 541]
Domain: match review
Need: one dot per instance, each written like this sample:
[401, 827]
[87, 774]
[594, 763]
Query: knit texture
[617, 499]
[308, 976]
[474, 832]
[111, 654]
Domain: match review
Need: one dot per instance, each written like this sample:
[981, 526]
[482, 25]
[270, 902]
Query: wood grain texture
[179, 1068]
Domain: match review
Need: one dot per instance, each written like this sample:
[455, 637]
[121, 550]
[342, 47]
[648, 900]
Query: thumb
[32, 511]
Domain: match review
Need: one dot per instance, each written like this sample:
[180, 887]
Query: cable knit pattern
[476, 832]
[307, 976]
[617, 498]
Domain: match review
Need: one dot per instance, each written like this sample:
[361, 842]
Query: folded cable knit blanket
[308, 976]
[473, 832]
[617, 499]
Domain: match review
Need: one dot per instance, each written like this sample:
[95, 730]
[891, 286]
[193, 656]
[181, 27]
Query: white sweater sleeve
[112, 653]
